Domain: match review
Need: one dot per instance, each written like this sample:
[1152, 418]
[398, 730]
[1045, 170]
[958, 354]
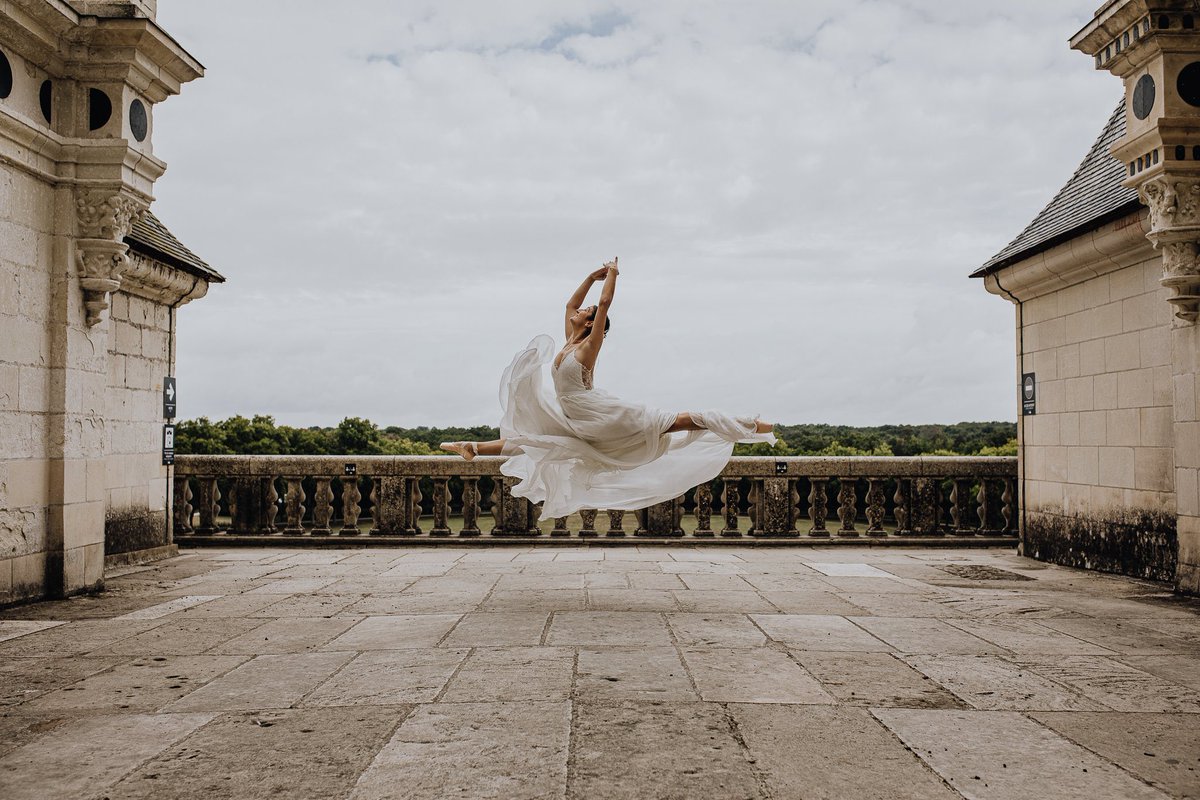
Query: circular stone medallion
[1188, 84]
[138, 122]
[1143, 97]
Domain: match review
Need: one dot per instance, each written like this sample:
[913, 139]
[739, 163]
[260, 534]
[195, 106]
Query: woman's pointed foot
[465, 449]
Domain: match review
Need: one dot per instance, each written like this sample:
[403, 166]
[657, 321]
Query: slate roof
[1093, 197]
[150, 237]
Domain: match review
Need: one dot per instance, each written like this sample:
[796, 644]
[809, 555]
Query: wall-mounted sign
[168, 445]
[350, 469]
[1028, 394]
[168, 397]
[781, 468]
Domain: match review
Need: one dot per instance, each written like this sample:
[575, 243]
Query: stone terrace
[593, 673]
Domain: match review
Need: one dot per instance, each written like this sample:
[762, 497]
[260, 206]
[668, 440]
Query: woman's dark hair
[607, 320]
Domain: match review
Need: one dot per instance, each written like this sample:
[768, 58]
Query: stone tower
[1154, 47]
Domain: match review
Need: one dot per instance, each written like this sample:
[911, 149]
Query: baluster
[817, 509]
[183, 505]
[1006, 510]
[615, 519]
[588, 516]
[350, 507]
[703, 511]
[875, 507]
[847, 506]
[322, 507]
[470, 507]
[560, 527]
[677, 516]
[793, 506]
[414, 508]
[958, 507]
[270, 507]
[753, 509]
[207, 503]
[730, 498]
[441, 507]
[293, 506]
[984, 509]
[233, 508]
[903, 509]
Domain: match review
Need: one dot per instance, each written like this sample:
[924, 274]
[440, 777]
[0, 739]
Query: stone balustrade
[444, 497]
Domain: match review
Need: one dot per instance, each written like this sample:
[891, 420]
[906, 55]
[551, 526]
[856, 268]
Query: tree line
[261, 435]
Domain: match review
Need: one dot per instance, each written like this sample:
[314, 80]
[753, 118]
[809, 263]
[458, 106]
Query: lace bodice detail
[571, 375]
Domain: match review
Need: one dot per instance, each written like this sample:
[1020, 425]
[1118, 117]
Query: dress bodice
[570, 375]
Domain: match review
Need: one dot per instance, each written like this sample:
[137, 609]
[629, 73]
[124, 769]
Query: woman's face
[583, 317]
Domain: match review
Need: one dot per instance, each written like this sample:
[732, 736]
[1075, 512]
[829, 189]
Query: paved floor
[598, 673]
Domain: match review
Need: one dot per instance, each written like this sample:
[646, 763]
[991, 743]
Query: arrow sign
[168, 397]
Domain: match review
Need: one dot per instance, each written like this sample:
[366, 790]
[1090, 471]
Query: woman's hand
[599, 274]
[611, 265]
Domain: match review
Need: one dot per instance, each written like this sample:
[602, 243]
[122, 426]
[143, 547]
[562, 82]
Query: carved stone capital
[1174, 203]
[103, 220]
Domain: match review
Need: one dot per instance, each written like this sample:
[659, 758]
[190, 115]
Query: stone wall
[26, 217]
[135, 479]
[1098, 456]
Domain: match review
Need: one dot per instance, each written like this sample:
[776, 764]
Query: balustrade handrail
[773, 503]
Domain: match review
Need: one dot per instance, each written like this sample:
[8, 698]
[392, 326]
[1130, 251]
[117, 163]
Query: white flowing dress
[581, 447]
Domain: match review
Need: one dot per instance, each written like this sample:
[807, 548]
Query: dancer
[581, 447]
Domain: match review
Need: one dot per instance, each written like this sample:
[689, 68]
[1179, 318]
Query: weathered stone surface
[925, 636]
[751, 675]
[308, 605]
[499, 629]
[395, 633]
[898, 605]
[1002, 755]
[1116, 685]
[1182, 670]
[631, 600]
[75, 638]
[715, 630]
[11, 629]
[25, 678]
[988, 682]
[292, 753]
[289, 635]
[264, 682]
[234, 605]
[717, 601]
[609, 628]
[669, 751]
[143, 684]
[644, 673]
[542, 600]
[402, 604]
[79, 759]
[389, 677]
[875, 680]
[818, 632]
[1123, 637]
[183, 637]
[484, 750]
[1026, 636]
[818, 751]
[513, 674]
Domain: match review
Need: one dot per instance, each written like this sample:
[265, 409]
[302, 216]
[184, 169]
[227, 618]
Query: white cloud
[402, 194]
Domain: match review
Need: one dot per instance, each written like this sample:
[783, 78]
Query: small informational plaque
[169, 397]
[350, 469]
[1028, 394]
[781, 468]
[168, 445]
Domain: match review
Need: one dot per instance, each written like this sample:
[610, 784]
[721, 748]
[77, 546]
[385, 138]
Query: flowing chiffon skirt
[579, 448]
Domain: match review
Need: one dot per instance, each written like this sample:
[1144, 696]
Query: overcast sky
[402, 194]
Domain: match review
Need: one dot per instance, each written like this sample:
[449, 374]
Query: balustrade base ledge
[591, 540]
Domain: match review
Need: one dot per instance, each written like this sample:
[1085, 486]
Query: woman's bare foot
[465, 449]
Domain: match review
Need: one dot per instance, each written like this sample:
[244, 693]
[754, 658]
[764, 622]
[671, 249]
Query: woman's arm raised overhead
[596, 336]
[581, 294]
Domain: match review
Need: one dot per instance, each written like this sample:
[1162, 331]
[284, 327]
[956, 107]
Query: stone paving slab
[818, 751]
[659, 750]
[1161, 749]
[1003, 755]
[663, 671]
[484, 750]
[287, 753]
[74, 760]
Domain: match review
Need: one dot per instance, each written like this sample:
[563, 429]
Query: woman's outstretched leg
[684, 421]
[469, 450]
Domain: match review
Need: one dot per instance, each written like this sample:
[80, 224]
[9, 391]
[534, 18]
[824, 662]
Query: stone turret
[1154, 47]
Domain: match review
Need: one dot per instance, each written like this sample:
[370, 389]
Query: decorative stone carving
[103, 220]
